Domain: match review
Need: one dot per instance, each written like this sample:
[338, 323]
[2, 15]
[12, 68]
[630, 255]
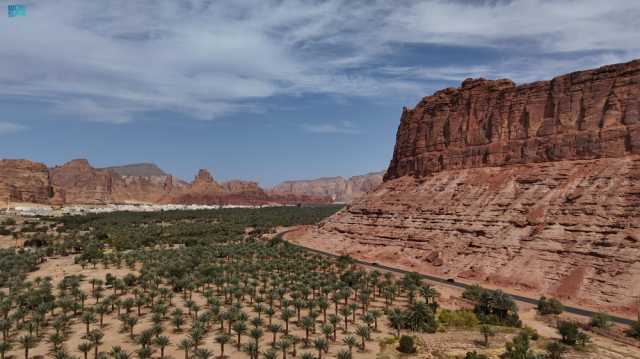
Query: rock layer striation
[533, 187]
[340, 189]
[77, 182]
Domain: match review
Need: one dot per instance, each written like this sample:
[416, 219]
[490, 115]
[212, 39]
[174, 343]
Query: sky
[270, 90]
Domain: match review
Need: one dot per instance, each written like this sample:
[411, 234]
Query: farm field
[215, 284]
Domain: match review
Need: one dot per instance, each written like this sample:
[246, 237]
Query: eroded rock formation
[534, 187]
[77, 182]
[338, 188]
[24, 181]
[582, 115]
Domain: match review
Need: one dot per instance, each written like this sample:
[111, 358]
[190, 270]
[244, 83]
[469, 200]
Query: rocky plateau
[77, 182]
[533, 188]
[340, 189]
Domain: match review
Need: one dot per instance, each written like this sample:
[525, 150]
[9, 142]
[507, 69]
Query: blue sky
[270, 90]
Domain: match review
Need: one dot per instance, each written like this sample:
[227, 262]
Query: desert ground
[213, 298]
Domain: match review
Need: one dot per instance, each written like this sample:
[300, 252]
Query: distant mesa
[339, 189]
[138, 170]
[77, 182]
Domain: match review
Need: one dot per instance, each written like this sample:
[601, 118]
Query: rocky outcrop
[582, 115]
[533, 187]
[24, 181]
[337, 188]
[138, 170]
[243, 187]
[77, 182]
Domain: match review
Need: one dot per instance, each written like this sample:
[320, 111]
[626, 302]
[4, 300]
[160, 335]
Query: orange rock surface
[533, 187]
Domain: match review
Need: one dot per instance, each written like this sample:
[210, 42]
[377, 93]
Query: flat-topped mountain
[138, 170]
[340, 189]
[534, 187]
[77, 182]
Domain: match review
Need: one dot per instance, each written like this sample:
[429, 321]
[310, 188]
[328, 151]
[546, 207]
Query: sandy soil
[451, 297]
[446, 344]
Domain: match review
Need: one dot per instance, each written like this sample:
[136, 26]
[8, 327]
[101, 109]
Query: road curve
[445, 281]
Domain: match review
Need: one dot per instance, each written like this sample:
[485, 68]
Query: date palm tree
[350, 341]
[274, 329]
[95, 337]
[85, 348]
[239, 328]
[185, 345]
[27, 342]
[4, 348]
[222, 339]
[321, 346]
[363, 332]
[162, 342]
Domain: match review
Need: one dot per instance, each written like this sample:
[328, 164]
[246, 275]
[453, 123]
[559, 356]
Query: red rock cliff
[24, 181]
[582, 115]
[533, 187]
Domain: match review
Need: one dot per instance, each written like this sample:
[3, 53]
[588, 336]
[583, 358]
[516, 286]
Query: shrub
[571, 334]
[518, 348]
[555, 350]
[458, 318]
[9, 222]
[532, 333]
[497, 308]
[407, 345]
[549, 306]
[473, 292]
[634, 331]
[475, 355]
[4, 231]
[600, 320]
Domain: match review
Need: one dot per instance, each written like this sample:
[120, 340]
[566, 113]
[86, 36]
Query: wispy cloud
[9, 128]
[343, 127]
[116, 60]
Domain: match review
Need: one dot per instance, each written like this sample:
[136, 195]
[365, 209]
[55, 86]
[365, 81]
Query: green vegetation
[407, 345]
[519, 348]
[461, 318]
[475, 355]
[199, 275]
[634, 331]
[549, 306]
[493, 306]
[601, 320]
[571, 334]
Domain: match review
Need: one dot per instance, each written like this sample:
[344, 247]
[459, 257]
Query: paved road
[450, 282]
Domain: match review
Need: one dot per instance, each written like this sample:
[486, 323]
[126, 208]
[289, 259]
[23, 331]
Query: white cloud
[343, 127]
[9, 128]
[112, 60]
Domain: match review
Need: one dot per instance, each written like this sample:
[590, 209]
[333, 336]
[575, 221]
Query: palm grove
[199, 284]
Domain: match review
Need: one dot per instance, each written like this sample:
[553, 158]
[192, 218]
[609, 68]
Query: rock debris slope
[534, 187]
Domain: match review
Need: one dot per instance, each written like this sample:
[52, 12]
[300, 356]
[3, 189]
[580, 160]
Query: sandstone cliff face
[583, 115]
[77, 182]
[337, 188]
[243, 187]
[534, 187]
[24, 181]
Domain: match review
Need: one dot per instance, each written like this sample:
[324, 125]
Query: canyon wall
[77, 182]
[582, 115]
[339, 189]
[533, 187]
[24, 181]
